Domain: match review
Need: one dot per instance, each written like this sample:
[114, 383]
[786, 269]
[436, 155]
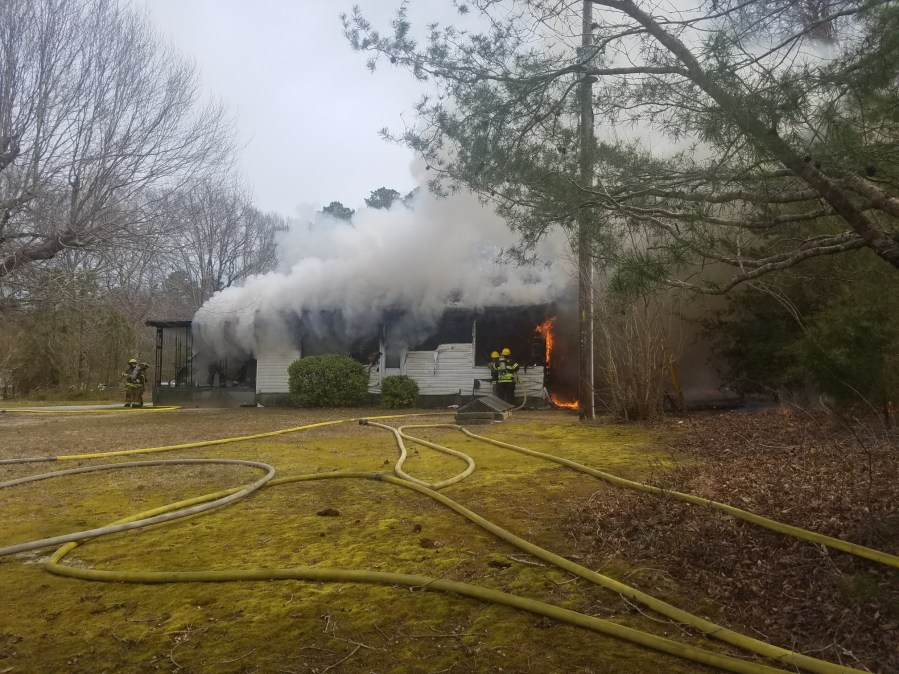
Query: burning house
[449, 366]
[424, 291]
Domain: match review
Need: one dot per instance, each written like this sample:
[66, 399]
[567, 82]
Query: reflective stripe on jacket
[494, 369]
[506, 370]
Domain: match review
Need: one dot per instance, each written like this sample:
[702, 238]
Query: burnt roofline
[474, 312]
[477, 312]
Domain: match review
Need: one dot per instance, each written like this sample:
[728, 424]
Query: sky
[307, 109]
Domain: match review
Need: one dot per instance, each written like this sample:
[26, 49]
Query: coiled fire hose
[184, 508]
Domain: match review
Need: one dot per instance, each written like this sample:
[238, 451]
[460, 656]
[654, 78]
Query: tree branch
[44, 251]
[878, 198]
[766, 267]
[741, 112]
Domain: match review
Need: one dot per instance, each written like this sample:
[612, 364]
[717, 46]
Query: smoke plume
[337, 282]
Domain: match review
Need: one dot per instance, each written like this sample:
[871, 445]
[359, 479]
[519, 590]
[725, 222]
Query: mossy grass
[59, 624]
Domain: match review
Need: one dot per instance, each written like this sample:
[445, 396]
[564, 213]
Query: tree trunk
[585, 265]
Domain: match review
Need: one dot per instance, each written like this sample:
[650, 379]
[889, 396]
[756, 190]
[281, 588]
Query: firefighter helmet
[144, 366]
[495, 354]
[506, 352]
[133, 361]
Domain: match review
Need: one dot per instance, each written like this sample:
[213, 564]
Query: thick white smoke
[337, 282]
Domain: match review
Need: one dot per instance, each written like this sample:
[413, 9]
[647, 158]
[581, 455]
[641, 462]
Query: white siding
[450, 369]
[374, 377]
[533, 381]
[271, 371]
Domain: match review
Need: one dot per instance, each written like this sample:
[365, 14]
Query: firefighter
[507, 368]
[142, 379]
[131, 376]
[494, 370]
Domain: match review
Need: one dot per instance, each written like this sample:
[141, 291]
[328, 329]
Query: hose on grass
[203, 443]
[185, 508]
[399, 436]
[797, 532]
[414, 582]
[136, 524]
[661, 644]
[707, 627]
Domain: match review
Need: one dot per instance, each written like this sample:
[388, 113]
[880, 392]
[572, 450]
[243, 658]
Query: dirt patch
[789, 466]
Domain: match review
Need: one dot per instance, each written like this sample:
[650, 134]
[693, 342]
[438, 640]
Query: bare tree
[636, 344]
[95, 115]
[102, 128]
[218, 238]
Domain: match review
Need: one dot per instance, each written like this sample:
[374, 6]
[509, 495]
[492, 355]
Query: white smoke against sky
[338, 281]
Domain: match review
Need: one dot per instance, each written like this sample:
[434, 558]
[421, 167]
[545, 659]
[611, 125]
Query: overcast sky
[308, 110]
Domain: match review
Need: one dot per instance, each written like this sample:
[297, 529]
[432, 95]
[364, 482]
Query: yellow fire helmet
[506, 352]
[133, 361]
[495, 354]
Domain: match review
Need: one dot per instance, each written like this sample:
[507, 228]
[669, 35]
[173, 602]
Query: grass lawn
[58, 624]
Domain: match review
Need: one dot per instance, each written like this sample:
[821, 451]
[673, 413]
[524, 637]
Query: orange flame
[545, 330]
[564, 404]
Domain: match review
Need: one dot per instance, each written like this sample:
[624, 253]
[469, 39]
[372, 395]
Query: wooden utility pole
[585, 265]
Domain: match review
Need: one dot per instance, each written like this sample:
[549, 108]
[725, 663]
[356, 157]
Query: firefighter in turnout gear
[133, 383]
[143, 384]
[493, 365]
[506, 369]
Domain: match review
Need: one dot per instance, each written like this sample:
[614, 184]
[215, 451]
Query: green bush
[833, 329]
[398, 391]
[330, 380]
[851, 351]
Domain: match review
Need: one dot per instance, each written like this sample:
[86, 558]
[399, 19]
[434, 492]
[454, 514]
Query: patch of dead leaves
[792, 467]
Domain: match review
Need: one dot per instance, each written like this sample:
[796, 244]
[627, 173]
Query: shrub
[835, 332]
[330, 380]
[398, 391]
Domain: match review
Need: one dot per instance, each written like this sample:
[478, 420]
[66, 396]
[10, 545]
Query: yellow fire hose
[607, 627]
[709, 628]
[773, 525]
[110, 410]
[136, 524]
[184, 508]
[421, 582]
[199, 443]
[524, 393]
[398, 467]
